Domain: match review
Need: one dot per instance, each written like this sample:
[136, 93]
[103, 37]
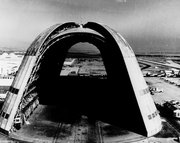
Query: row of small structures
[174, 81]
[163, 73]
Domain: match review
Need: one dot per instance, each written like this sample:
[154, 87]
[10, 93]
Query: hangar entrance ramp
[121, 99]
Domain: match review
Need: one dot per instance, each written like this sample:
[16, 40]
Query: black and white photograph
[89, 71]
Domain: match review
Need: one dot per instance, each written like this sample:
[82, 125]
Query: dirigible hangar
[122, 99]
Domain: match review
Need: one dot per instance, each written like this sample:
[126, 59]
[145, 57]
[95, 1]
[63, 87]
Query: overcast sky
[146, 24]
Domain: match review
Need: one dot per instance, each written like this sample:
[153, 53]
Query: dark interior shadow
[58, 114]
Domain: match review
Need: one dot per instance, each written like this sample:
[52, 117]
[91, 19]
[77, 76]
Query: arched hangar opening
[65, 88]
[120, 99]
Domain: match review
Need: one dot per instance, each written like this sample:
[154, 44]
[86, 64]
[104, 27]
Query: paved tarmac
[45, 126]
[42, 127]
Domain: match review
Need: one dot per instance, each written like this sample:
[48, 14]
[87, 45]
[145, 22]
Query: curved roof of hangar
[78, 30]
[71, 27]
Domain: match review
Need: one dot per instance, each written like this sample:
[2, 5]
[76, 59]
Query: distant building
[69, 71]
[169, 72]
[9, 63]
[176, 71]
[69, 62]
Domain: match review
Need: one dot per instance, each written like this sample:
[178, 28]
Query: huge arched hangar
[123, 99]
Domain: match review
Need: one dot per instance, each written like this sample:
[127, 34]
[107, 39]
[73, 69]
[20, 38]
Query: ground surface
[170, 91]
[43, 127]
[49, 124]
